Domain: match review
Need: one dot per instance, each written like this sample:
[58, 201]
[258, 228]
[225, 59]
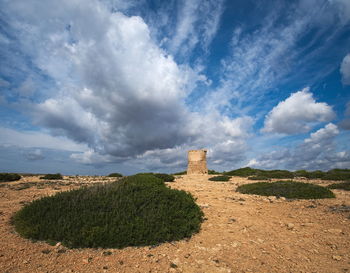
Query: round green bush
[287, 189]
[165, 177]
[5, 177]
[340, 186]
[115, 175]
[55, 176]
[220, 178]
[135, 211]
[258, 177]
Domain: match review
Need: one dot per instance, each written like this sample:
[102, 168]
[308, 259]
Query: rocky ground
[241, 233]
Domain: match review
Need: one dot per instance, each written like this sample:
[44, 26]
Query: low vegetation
[165, 177]
[258, 177]
[257, 174]
[115, 175]
[8, 177]
[135, 211]
[340, 186]
[55, 176]
[287, 189]
[213, 172]
[220, 178]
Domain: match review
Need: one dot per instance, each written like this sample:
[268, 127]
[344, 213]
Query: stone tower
[197, 162]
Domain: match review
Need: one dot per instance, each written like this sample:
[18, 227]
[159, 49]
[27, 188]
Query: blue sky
[93, 87]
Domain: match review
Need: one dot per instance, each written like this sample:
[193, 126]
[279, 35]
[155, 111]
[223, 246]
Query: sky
[99, 86]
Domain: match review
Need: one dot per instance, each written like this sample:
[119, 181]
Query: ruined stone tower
[197, 162]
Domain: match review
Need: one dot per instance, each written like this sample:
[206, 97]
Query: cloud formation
[117, 91]
[345, 70]
[319, 151]
[345, 123]
[296, 114]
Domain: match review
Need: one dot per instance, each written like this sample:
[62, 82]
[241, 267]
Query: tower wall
[197, 162]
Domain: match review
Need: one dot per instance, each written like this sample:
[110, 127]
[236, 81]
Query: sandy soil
[241, 233]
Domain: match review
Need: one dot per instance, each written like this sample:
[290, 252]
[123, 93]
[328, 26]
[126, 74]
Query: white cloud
[319, 151]
[11, 137]
[34, 155]
[117, 91]
[345, 70]
[343, 7]
[297, 113]
[197, 23]
[345, 123]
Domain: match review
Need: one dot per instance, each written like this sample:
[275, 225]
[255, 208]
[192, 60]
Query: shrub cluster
[287, 189]
[4, 177]
[340, 186]
[256, 174]
[165, 177]
[220, 178]
[246, 172]
[135, 211]
[55, 176]
[213, 172]
[258, 177]
[115, 175]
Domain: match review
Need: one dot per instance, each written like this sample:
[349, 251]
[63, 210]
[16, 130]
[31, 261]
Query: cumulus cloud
[318, 151]
[27, 139]
[34, 155]
[296, 114]
[345, 70]
[117, 91]
[345, 123]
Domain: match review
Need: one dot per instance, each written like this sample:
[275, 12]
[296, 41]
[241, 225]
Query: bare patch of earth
[241, 233]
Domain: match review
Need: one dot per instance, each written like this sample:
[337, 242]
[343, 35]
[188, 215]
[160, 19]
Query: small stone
[290, 226]
[334, 230]
[336, 257]
[87, 260]
[172, 265]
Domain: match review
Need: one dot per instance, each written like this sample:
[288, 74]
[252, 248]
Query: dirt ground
[241, 233]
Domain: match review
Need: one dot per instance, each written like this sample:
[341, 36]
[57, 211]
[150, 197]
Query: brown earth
[241, 233]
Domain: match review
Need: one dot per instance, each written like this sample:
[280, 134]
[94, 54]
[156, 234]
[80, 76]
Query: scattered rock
[172, 265]
[336, 257]
[290, 226]
[87, 260]
[334, 231]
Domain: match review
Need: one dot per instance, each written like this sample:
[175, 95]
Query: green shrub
[340, 186]
[220, 178]
[258, 177]
[134, 211]
[55, 176]
[245, 172]
[337, 174]
[287, 189]
[165, 177]
[309, 175]
[213, 172]
[277, 174]
[4, 177]
[115, 175]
